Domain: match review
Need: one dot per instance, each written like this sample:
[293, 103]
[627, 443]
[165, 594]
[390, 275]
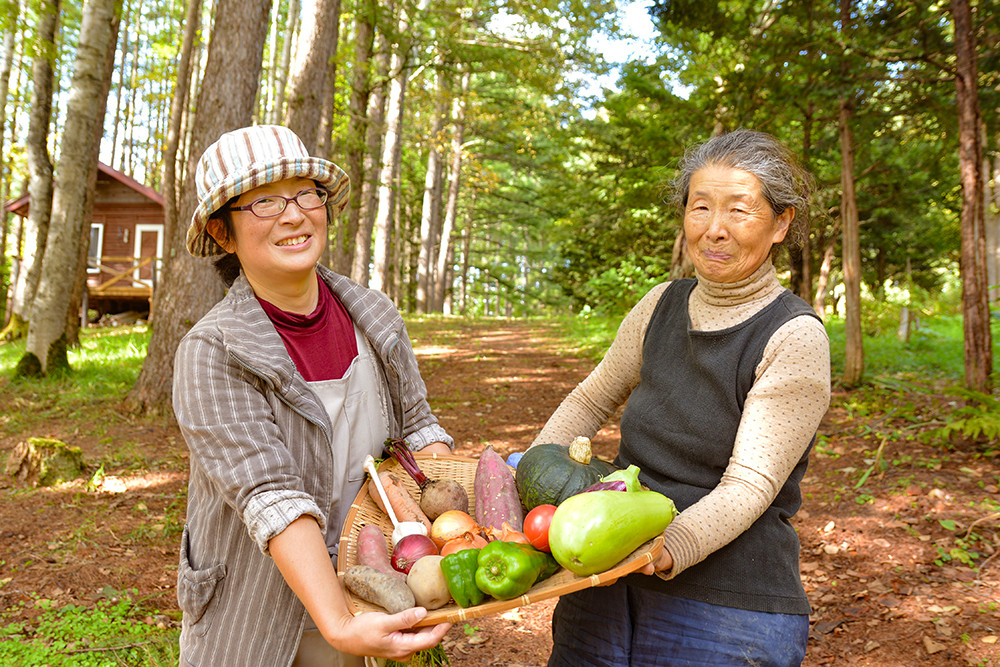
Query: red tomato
[536, 526]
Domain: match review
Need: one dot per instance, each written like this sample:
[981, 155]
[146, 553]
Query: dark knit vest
[679, 427]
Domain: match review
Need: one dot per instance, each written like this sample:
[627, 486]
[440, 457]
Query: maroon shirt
[322, 344]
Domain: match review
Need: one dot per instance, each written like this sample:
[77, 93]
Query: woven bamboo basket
[463, 469]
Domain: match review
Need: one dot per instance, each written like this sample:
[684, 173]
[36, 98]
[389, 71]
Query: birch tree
[178, 106]
[368, 186]
[281, 75]
[189, 287]
[430, 214]
[12, 9]
[13, 20]
[445, 248]
[77, 168]
[36, 226]
[383, 223]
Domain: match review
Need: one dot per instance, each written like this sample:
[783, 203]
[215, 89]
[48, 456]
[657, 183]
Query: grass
[114, 632]
[104, 368]
[592, 335]
[934, 352]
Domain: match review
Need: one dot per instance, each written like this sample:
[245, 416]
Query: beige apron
[356, 405]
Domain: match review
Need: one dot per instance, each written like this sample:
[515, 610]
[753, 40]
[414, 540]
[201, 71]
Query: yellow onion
[452, 524]
[467, 541]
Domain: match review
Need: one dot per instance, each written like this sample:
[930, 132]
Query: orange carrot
[403, 504]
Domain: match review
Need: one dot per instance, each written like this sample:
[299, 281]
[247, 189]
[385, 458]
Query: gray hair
[783, 181]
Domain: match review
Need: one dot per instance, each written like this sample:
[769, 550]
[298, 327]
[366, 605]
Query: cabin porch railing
[122, 276]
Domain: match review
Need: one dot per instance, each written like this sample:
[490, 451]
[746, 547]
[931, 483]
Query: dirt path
[868, 557]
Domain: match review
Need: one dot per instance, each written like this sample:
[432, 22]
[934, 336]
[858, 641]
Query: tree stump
[45, 462]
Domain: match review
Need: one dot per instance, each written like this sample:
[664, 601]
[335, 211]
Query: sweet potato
[403, 504]
[373, 551]
[497, 501]
[388, 592]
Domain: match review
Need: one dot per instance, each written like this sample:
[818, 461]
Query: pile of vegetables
[564, 508]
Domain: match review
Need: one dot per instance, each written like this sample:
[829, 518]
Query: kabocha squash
[548, 474]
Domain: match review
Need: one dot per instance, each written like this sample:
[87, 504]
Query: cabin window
[96, 247]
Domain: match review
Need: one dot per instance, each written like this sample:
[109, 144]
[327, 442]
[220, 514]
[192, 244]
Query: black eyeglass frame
[323, 195]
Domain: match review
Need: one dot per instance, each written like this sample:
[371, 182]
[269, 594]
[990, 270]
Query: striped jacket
[260, 440]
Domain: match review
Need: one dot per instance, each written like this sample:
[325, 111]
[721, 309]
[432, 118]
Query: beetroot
[437, 496]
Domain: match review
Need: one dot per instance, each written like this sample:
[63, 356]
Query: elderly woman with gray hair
[726, 377]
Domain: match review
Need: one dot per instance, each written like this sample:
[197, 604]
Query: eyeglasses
[272, 205]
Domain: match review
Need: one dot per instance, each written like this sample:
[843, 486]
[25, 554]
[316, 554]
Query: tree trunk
[851, 250]
[6, 65]
[269, 94]
[46, 346]
[328, 104]
[851, 261]
[77, 312]
[36, 227]
[391, 150]
[120, 92]
[466, 251]
[189, 287]
[372, 166]
[386, 197]
[991, 221]
[307, 86]
[975, 303]
[801, 268]
[430, 215]
[823, 281]
[178, 107]
[281, 76]
[445, 249]
[343, 251]
[128, 165]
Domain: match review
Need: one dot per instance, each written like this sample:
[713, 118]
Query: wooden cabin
[126, 243]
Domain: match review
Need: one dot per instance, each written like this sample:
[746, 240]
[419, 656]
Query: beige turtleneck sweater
[790, 395]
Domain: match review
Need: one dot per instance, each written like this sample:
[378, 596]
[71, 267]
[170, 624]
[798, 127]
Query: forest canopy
[505, 161]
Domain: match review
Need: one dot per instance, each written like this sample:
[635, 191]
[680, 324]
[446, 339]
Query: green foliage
[112, 633]
[615, 290]
[591, 333]
[976, 418]
[933, 353]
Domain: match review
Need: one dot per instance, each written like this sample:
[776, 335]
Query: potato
[379, 588]
[430, 590]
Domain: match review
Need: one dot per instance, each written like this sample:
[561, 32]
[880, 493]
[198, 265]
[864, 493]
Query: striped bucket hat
[247, 158]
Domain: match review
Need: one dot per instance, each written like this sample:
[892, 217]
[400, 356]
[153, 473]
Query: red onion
[410, 549]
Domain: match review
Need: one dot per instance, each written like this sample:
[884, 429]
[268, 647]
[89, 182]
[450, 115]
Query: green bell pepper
[508, 569]
[459, 571]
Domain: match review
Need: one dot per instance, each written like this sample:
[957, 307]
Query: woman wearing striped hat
[281, 391]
